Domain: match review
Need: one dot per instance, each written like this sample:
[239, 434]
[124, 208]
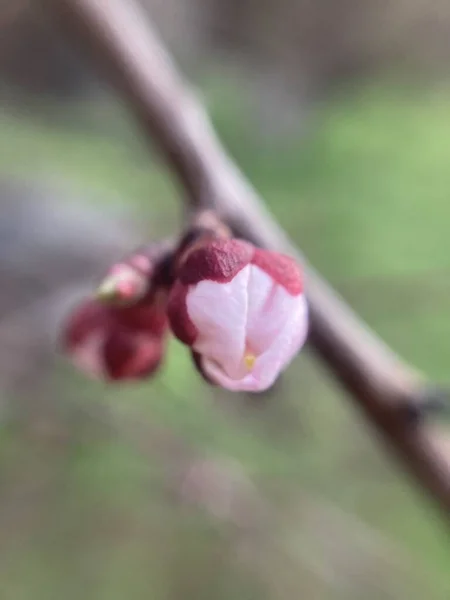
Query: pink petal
[286, 345]
[270, 307]
[273, 361]
[219, 313]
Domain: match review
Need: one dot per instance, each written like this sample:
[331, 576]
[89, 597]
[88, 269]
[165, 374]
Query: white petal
[219, 312]
[285, 345]
[270, 307]
[275, 359]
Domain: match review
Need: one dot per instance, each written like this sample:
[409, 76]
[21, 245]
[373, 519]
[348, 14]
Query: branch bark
[126, 47]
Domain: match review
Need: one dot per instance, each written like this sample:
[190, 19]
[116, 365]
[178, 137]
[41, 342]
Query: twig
[124, 44]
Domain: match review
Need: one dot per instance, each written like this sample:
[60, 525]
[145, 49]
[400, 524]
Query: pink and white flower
[242, 311]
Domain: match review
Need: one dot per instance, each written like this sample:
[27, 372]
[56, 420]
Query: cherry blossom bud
[121, 333]
[139, 276]
[116, 343]
[128, 281]
[123, 284]
[242, 311]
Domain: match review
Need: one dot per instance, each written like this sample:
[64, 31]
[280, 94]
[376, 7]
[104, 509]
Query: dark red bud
[129, 356]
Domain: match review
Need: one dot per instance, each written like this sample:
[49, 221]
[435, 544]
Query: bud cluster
[240, 309]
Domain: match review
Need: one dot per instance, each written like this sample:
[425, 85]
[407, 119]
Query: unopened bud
[124, 285]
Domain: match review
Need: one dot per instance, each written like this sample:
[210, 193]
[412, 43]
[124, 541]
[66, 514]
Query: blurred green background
[94, 504]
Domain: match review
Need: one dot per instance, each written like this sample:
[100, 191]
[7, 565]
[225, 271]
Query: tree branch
[387, 390]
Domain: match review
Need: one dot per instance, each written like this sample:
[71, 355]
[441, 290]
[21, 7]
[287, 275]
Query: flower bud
[138, 277]
[113, 343]
[242, 311]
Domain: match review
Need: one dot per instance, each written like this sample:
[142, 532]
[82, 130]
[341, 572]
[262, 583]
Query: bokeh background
[339, 113]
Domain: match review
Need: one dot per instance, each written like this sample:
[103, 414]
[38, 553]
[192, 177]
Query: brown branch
[125, 46]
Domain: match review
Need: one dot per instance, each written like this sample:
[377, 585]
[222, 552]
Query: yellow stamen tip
[249, 360]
